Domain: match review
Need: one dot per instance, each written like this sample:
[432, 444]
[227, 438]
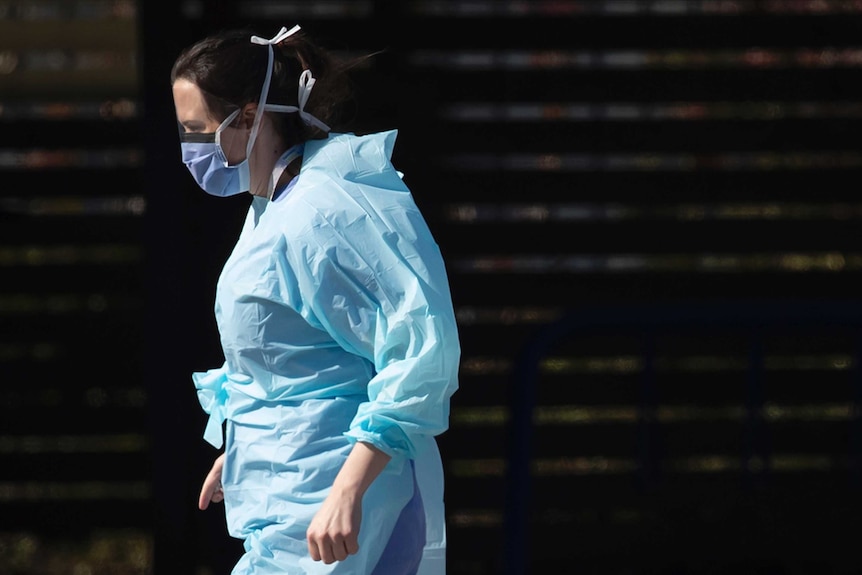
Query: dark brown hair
[230, 71]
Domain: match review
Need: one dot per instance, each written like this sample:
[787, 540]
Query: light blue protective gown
[337, 326]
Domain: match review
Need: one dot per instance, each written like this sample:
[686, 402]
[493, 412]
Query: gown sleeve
[384, 296]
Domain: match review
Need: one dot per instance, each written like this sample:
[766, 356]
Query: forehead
[189, 102]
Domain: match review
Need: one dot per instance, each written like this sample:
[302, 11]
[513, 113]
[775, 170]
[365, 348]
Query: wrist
[362, 466]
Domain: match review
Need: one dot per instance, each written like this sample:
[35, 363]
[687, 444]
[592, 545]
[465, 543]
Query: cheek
[233, 143]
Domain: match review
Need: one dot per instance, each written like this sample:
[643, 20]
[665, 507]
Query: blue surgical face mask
[206, 160]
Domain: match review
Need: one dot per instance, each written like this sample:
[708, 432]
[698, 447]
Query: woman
[335, 317]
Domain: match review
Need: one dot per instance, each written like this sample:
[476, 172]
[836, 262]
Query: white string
[282, 34]
[306, 83]
[255, 127]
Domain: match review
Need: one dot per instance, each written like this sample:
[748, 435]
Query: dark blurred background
[650, 213]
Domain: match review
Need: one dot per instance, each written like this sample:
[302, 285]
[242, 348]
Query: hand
[334, 531]
[212, 489]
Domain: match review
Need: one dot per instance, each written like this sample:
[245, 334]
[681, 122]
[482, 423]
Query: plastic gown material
[337, 326]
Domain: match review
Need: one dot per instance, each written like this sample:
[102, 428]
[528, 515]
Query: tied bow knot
[306, 82]
[275, 40]
[213, 393]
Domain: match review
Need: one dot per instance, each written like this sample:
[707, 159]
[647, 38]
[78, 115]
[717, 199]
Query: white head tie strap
[306, 83]
[282, 34]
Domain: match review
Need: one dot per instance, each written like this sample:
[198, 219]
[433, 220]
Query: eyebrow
[193, 126]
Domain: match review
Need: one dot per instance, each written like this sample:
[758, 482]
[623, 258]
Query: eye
[197, 138]
[191, 125]
[194, 132]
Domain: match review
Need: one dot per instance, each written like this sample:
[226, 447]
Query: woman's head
[232, 132]
[230, 71]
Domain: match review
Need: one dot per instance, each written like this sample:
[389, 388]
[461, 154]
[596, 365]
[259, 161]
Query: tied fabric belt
[213, 393]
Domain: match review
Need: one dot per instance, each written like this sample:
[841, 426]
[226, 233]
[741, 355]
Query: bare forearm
[334, 531]
[361, 468]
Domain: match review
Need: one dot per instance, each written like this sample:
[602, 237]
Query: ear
[247, 115]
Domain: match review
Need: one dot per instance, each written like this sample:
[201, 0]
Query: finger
[334, 551]
[211, 491]
[204, 498]
[351, 545]
[313, 550]
[326, 554]
[339, 550]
